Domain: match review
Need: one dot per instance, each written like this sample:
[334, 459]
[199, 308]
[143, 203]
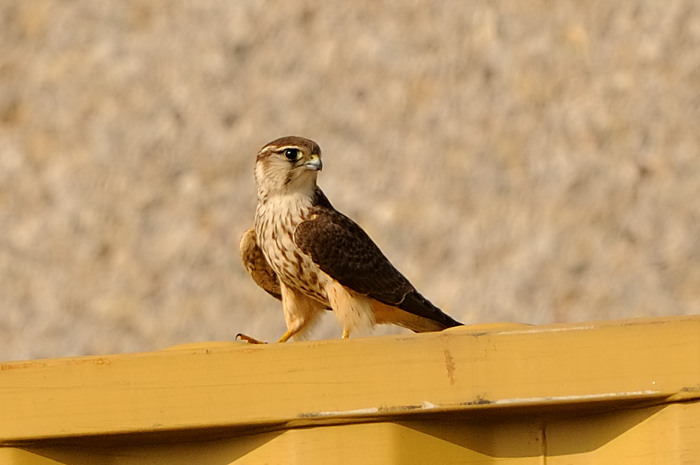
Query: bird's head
[288, 165]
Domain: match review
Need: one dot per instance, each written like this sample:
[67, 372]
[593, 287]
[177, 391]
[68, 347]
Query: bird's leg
[248, 339]
[300, 311]
[346, 333]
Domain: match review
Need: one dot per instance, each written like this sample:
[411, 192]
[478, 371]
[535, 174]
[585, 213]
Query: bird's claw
[242, 337]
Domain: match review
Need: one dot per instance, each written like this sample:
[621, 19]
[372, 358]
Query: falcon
[313, 258]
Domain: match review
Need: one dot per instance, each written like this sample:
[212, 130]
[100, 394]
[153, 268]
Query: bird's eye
[292, 154]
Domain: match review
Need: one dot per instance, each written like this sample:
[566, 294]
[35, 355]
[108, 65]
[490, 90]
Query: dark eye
[292, 154]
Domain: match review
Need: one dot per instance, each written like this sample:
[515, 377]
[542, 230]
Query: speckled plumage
[320, 257]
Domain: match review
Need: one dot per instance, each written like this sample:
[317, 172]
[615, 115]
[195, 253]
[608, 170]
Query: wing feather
[345, 252]
[257, 266]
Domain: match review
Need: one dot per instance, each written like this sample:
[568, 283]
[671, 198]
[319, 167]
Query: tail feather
[418, 305]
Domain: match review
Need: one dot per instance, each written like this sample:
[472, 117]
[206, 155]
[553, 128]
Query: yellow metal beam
[510, 393]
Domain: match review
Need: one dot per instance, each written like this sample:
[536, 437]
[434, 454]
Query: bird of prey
[313, 258]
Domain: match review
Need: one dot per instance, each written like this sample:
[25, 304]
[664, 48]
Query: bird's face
[288, 165]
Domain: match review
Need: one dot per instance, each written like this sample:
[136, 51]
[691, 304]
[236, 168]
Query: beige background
[528, 161]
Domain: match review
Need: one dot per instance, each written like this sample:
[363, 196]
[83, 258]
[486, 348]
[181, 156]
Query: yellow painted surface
[588, 393]
[15, 456]
[665, 434]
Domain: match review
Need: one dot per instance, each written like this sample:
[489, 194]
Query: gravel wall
[526, 161]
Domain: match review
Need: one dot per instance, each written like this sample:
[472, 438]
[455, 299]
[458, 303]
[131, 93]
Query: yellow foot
[286, 336]
[248, 339]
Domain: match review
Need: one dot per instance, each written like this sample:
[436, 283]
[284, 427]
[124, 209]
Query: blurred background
[519, 161]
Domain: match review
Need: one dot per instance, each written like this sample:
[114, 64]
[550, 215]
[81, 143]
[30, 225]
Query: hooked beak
[314, 163]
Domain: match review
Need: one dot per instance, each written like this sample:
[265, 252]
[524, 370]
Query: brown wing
[256, 264]
[346, 253]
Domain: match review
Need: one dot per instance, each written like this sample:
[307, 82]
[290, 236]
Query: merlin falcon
[313, 258]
